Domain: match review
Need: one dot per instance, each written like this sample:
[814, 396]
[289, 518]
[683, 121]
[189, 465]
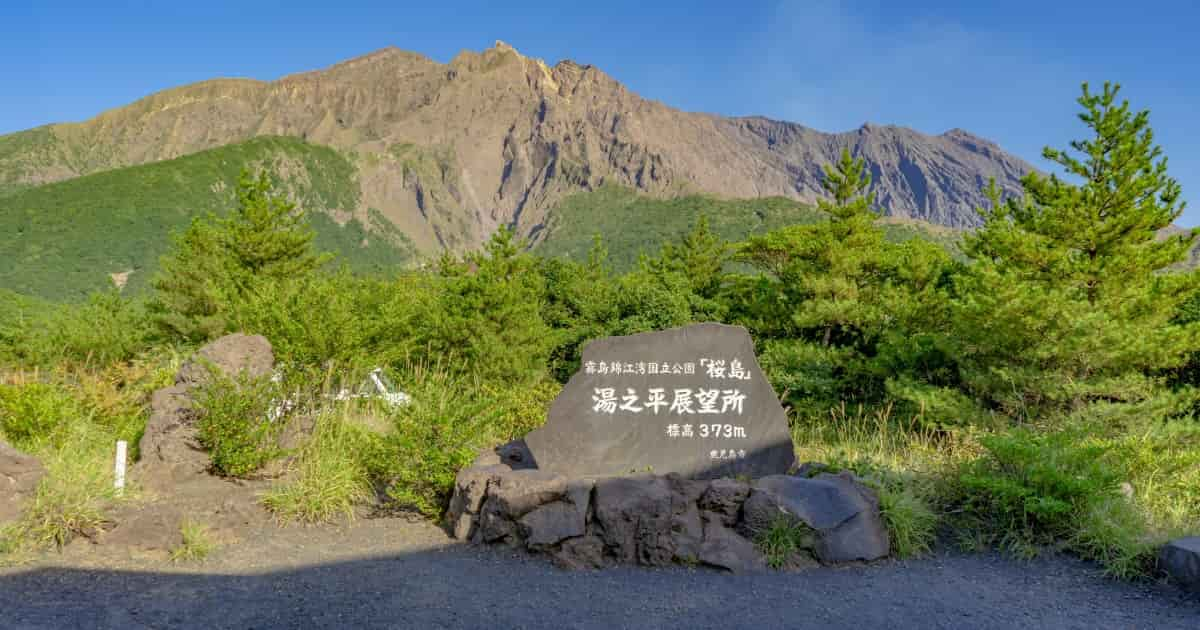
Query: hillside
[64, 239]
[449, 152]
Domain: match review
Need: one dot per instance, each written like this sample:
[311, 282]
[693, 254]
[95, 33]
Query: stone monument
[664, 447]
[689, 400]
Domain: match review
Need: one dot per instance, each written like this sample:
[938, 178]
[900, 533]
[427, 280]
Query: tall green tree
[218, 261]
[1069, 300]
[267, 235]
[829, 273]
[489, 312]
[838, 302]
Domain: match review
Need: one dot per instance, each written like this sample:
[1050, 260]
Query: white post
[119, 482]
[378, 383]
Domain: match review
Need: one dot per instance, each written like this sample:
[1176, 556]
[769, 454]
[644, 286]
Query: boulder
[843, 512]
[724, 498]
[170, 447]
[231, 355]
[509, 495]
[1181, 560]
[725, 549]
[516, 455]
[19, 477]
[584, 552]
[517, 492]
[550, 524]
[470, 488]
[634, 516]
[687, 525]
[659, 520]
[864, 537]
[691, 400]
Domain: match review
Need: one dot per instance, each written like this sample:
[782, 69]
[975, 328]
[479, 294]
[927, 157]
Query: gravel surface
[391, 573]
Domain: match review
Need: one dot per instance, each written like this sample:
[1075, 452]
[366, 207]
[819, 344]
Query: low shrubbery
[71, 419]
[234, 422]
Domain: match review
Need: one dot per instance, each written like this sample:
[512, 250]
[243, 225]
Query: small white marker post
[119, 482]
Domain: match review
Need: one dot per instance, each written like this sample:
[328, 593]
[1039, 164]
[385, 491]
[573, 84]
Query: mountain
[446, 153]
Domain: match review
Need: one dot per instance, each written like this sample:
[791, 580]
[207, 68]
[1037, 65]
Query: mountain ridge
[451, 151]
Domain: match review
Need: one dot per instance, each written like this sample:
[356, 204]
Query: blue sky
[1007, 71]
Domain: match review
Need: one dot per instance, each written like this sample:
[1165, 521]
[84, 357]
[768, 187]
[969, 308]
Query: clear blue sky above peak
[1007, 71]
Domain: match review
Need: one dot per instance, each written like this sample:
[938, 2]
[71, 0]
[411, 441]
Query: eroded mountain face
[449, 152]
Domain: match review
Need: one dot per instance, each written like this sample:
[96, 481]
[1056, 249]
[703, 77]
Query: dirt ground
[399, 572]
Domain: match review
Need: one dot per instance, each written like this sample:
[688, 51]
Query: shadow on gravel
[460, 587]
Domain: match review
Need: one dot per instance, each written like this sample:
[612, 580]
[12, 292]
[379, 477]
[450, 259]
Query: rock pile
[657, 520]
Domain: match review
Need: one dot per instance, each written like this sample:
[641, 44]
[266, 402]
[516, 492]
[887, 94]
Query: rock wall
[658, 520]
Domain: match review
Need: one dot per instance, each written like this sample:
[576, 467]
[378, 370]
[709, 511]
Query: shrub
[1030, 490]
[339, 318]
[451, 418]
[218, 261]
[233, 423]
[35, 414]
[910, 520]
[782, 540]
[809, 377]
[488, 313]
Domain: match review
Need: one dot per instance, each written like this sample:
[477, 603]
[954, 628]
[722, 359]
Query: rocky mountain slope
[449, 152]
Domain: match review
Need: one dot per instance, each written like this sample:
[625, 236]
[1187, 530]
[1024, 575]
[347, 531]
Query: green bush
[1031, 490]
[104, 329]
[34, 415]
[451, 418]
[339, 317]
[488, 313]
[233, 424]
[809, 377]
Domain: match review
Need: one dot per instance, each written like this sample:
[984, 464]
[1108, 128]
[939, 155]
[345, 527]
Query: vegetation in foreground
[1036, 391]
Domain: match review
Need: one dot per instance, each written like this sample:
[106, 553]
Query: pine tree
[844, 295]
[830, 272]
[1069, 300]
[848, 182]
[218, 261]
[266, 234]
[1101, 234]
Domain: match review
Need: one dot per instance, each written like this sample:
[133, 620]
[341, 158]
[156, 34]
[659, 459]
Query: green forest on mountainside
[632, 224]
[62, 240]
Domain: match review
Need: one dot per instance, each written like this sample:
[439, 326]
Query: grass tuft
[330, 476]
[782, 540]
[197, 543]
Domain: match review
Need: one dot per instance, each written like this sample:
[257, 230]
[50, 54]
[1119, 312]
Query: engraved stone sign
[690, 400]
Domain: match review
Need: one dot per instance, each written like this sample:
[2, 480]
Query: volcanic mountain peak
[449, 152]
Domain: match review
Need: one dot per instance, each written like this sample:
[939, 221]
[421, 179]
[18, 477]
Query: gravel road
[395, 574]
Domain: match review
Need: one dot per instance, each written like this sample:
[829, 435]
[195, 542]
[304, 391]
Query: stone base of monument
[658, 520]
